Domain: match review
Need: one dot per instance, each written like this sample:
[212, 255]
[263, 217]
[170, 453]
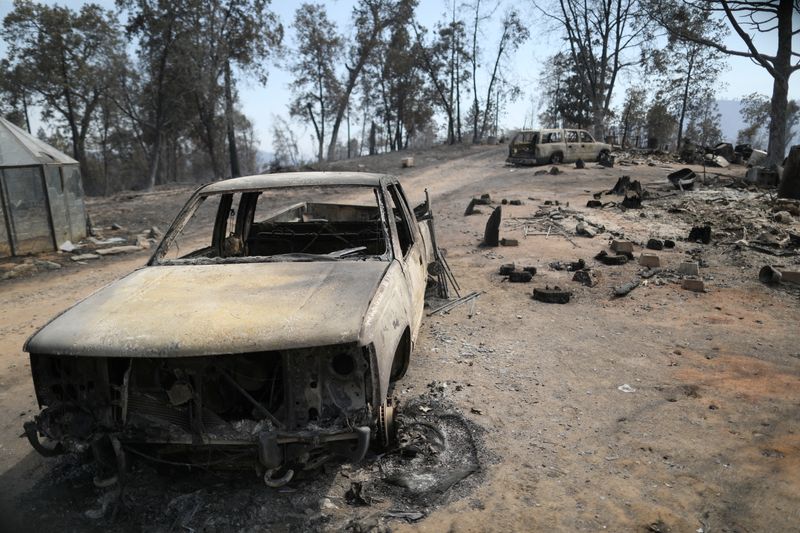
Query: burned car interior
[249, 225]
[286, 405]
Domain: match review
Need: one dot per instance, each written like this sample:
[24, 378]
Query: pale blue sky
[262, 103]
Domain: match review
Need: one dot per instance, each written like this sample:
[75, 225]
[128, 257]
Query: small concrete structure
[622, 247]
[695, 285]
[649, 260]
[41, 195]
[689, 268]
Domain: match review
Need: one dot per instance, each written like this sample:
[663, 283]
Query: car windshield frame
[200, 196]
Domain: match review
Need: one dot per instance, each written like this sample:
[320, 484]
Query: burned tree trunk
[233, 153]
[790, 183]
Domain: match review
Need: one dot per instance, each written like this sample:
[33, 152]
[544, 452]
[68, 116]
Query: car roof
[297, 179]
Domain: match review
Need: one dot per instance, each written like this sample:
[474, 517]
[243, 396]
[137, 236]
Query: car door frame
[412, 263]
[572, 150]
[588, 149]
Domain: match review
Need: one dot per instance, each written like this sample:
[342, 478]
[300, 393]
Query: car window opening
[286, 224]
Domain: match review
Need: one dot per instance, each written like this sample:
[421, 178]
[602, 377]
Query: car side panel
[573, 146]
[386, 319]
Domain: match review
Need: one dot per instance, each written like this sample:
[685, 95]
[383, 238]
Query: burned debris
[491, 235]
[683, 179]
[625, 288]
[700, 234]
[471, 209]
[554, 295]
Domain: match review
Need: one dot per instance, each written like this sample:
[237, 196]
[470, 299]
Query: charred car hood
[191, 310]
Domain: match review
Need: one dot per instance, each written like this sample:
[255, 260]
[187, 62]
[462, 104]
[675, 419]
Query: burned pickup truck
[267, 326]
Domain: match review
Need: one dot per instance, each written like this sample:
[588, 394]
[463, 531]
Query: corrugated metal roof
[20, 148]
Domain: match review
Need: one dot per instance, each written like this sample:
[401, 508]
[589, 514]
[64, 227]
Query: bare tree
[66, 55]
[371, 17]
[688, 70]
[514, 33]
[755, 109]
[600, 35]
[632, 115]
[315, 84]
[474, 59]
[158, 27]
[441, 61]
[778, 17]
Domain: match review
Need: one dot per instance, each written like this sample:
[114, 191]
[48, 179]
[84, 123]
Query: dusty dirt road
[709, 439]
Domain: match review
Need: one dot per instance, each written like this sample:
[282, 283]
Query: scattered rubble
[572, 266]
[556, 295]
[689, 268]
[584, 230]
[46, 265]
[695, 285]
[589, 278]
[649, 260]
[67, 246]
[607, 259]
[700, 234]
[485, 199]
[648, 273]
[84, 257]
[521, 276]
[717, 161]
[771, 275]
[683, 179]
[491, 236]
[507, 269]
[118, 250]
[626, 288]
[622, 247]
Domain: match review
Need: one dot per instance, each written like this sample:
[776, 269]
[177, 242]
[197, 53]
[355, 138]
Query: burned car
[268, 325]
[532, 147]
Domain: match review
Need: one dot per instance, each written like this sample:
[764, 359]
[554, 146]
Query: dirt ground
[707, 439]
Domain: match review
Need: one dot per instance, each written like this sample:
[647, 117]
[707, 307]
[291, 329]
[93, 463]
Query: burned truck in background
[267, 326]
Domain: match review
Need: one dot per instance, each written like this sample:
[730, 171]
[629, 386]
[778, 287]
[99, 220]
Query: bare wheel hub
[386, 426]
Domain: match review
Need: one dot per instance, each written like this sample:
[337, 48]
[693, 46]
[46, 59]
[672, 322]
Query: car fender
[386, 319]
